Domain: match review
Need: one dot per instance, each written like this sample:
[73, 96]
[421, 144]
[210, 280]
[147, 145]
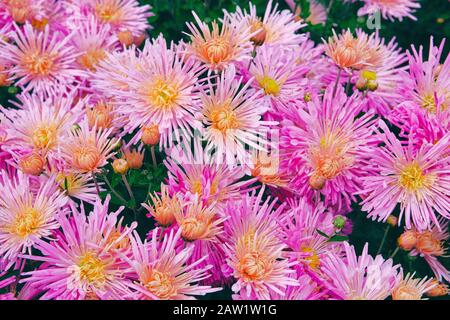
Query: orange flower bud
[392, 220]
[317, 182]
[139, 39]
[150, 135]
[438, 291]
[134, 158]
[120, 166]
[429, 245]
[407, 240]
[125, 37]
[32, 164]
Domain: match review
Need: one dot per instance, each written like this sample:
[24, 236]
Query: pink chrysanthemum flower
[27, 216]
[301, 234]
[275, 28]
[42, 123]
[126, 16]
[219, 47]
[390, 9]
[325, 147]
[348, 52]
[161, 91]
[233, 119]
[86, 260]
[417, 180]
[427, 91]
[193, 173]
[21, 11]
[40, 61]
[382, 81]
[317, 14]
[74, 184]
[277, 76]
[430, 244]
[360, 277]
[92, 40]
[87, 150]
[412, 289]
[254, 251]
[162, 272]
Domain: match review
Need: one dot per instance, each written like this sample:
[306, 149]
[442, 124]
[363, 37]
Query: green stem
[395, 252]
[347, 87]
[95, 183]
[114, 191]
[384, 239]
[338, 78]
[152, 151]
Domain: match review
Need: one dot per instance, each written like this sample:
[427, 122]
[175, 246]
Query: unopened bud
[139, 39]
[120, 166]
[437, 291]
[150, 135]
[372, 85]
[32, 164]
[125, 37]
[407, 240]
[316, 182]
[339, 222]
[392, 220]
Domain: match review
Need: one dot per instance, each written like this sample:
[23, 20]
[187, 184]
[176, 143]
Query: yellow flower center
[161, 284]
[92, 269]
[217, 50]
[109, 11]
[223, 118]
[27, 222]
[254, 266]
[44, 137]
[412, 177]
[193, 228]
[39, 24]
[38, 64]
[269, 85]
[163, 94]
[91, 58]
[312, 259]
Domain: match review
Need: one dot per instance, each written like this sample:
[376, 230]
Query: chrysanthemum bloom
[193, 172]
[40, 61]
[417, 180]
[439, 289]
[87, 150]
[219, 47]
[305, 290]
[347, 51]
[162, 272]
[277, 76]
[42, 123]
[162, 91]
[84, 262]
[134, 157]
[27, 216]
[325, 147]
[390, 9]
[100, 114]
[427, 95]
[233, 119]
[430, 79]
[275, 28]
[300, 233]
[164, 207]
[430, 245]
[92, 40]
[382, 81]
[21, 11]
[317, 14]
[412, 289]
[111, 76]
[198, 222]
[254, 251]
[265, 168]
[361, 277]
[121, 15]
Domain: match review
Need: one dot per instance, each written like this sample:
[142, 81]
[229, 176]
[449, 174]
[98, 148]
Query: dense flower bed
[266, 154]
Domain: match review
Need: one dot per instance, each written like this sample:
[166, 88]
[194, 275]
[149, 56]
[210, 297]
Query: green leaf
[337, 238]
[323, 234]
